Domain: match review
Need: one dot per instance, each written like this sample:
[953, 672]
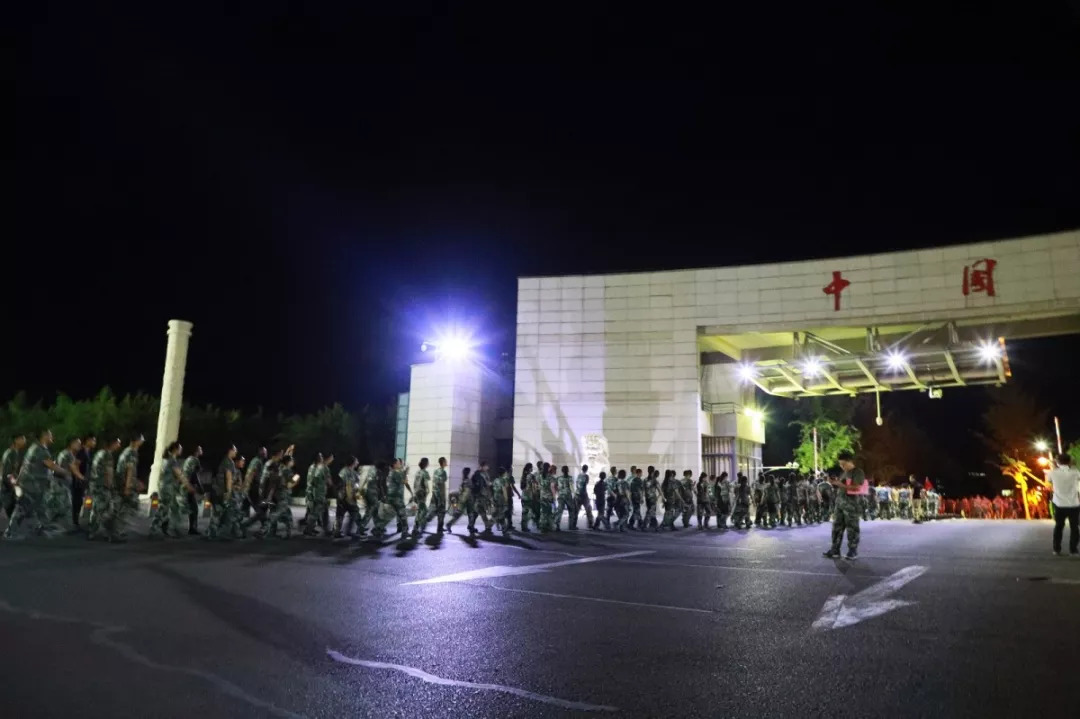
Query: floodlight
[897, 360]
[747, 372]
[1041, 445]
[812, 367]
[989, 351]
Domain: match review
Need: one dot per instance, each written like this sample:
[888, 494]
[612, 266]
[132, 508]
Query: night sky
[318, 190]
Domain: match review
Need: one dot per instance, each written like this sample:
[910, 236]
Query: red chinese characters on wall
[834, 288]
[979, 277]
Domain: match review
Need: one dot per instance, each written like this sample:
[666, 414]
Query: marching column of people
[95, 489]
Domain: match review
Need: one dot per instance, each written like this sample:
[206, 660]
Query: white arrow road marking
[843, 611]
[501, 571]
[432, 679]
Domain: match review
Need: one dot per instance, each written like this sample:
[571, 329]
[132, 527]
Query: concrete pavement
[947, 618]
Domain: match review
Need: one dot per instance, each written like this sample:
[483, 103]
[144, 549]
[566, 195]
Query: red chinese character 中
[979, 277]
[834, 288]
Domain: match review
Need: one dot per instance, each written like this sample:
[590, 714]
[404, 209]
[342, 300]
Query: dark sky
[318, 189]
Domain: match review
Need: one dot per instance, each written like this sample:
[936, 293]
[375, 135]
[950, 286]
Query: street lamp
[1047, 462]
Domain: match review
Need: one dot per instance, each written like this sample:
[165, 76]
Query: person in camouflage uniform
[238, 500]
[500, 495]
[347, 506]
[564, 484]
[825, 491]
[757, 490]
[102, 487]
[530, 497]
[259, 500]
[705, 490]
[671, 492]
[600, 492]
[172, 484]
[396, 484]
[33, 480]
[9, 473]
[481, 498]
[802, 503]
[622, 500]
[637, 487]
[221, 517]
[434, 502]
[789, 503]
[547, 496]
[421, 491]
[581, 498]
[190, 499]
[58, 496]
[813, 500]
[772, 502]
[464, 499]
[613, 478]
[253, 484]
[846, 509]
[722, 491]
[651, 488]
[279, 480]
[740, 516]
[686, 487]
[318, 480]
[125, 502]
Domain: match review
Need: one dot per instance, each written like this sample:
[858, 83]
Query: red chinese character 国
[979, 277]
[834, 288]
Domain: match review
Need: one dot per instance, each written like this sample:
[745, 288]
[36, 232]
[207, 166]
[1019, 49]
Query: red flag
[928, 485]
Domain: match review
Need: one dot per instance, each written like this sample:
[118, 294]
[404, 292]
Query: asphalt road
[952, 618]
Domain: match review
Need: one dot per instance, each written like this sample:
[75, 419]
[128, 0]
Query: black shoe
[194, 533]
[851, 556]
[831, 554]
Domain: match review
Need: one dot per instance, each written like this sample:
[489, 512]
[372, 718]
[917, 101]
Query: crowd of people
[95, 489]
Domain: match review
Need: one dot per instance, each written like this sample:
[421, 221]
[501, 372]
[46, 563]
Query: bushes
[368, 434]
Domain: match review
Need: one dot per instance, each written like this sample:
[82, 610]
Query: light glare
[812, 367]
[989, 351]
[897, 360]
[747, 372]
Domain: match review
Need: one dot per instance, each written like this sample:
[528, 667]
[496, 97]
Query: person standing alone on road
[847, 489]
[1065, 479]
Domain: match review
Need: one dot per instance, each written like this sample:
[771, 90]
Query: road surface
[952, 618]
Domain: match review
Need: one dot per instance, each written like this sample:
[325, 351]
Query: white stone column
[172, 395]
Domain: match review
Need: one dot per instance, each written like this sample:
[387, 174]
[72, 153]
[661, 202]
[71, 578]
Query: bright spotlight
[451, 347]
[753, 413]
[747, 372]
[1041, 445]
[897, 360]
[1043, 462]
[812, 367]
[989, 351]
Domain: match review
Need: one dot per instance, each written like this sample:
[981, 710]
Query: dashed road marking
[504, 571]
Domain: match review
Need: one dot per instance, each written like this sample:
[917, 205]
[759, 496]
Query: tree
[833, 438]
[1073, 450]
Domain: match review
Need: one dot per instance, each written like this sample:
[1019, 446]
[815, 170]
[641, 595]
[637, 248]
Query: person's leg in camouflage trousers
[58, 506]
[280, 513]
[29, 506]
[687, 512]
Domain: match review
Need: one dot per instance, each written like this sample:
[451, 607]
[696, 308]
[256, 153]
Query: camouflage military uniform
[253, 482]
[34, 483]
[740, 516]
[499, 488]
[581, 500]
[652, 499]
[670, 490]
[480, 503]
[847, 514]
[9, 468]
[530, 501]
[790, 505]
[436, 505]
[58, 495]
[347, 506]
[637, 485]
[222, 517]
[565, 501]
[772, 503]
[622, 502]
[125, 495]
[825, 490]
[686, 491]
[421, 487]
[904, 505]
[802, 494]
[167, 517]
[706, 499]
[278, 492]
[318, 477]
[102, 480]
[395, 497]
[813, 502]
[758, 493]
[372, 500]
[722, 491]
[546, 498]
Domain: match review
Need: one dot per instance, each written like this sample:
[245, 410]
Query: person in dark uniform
[78, 487]
[600, 493]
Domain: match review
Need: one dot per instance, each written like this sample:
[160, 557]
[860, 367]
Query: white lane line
[598, 599]
[831, 575]
[442, 681]
[504, 571]
[1055, 580]
[102, 634]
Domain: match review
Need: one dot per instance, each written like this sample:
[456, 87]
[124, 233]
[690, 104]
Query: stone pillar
[172, 395]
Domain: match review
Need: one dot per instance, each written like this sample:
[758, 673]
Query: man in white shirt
[1065, 479]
